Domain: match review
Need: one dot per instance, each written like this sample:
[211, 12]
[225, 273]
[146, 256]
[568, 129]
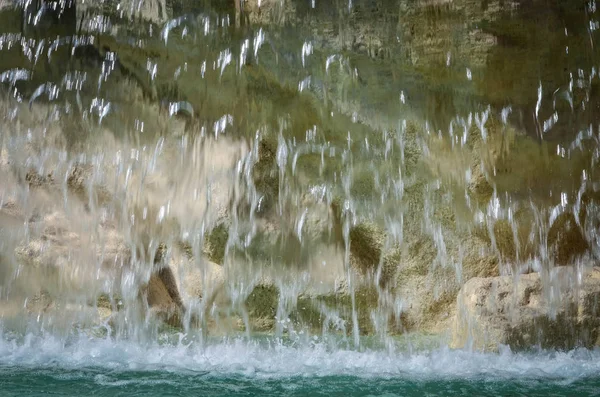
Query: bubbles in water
[288, 195]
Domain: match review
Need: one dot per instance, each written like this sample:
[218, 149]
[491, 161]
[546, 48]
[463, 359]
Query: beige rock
[555, 309]
[197, 280]
[269, 11]
[188, 285]
[68, 227]
[162, 300]
[156, 11]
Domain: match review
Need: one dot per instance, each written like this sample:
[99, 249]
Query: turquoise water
[36, 366]
[18, 381]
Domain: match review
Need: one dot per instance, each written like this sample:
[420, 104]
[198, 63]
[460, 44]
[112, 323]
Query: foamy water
[272, 358]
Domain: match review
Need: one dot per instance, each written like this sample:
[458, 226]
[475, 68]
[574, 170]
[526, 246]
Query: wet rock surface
[556, 309]
[326, 167]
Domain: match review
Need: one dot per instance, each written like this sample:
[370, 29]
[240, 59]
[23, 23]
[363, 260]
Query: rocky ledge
[555, 309]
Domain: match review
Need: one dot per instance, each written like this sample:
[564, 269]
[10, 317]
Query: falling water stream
[296, 197]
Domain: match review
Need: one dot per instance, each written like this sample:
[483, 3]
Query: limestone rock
[366, 244]
[269, 11]
[566, 241]
[193, 283]
[156, 11]
[163, 299]
[66, 259]
[200, 281]
[552, 309]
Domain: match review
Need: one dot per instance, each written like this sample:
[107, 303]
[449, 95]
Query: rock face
[163, 297]
[156, 11]
[194, 282]
[555, 309]
[78, 247]
[273, 252]
[269, 11]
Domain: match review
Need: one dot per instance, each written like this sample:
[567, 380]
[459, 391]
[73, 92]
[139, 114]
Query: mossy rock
[366, 240]
[534, 169]
[366, 299]
[262, 306]
[505, 241]
[589, 199]
[281, 249]
[307, 313]
[389, 268]
[442, 306]
[363, 184]
[478, 260]
[420, 255]
[105, 301]
[262, 301]
[266, 175]
[216, 242]
[480, 187]
[186, 248]
[505, 236]
[565, 240]
[366, 244]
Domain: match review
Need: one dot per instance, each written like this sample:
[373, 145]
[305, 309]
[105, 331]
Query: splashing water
[299, 190]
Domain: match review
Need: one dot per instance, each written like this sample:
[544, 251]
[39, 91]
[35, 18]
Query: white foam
[273, 359]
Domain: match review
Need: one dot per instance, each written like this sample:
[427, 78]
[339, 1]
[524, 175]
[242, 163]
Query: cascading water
[386, 196]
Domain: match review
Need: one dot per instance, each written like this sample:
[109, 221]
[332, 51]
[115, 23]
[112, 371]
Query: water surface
[46, 366]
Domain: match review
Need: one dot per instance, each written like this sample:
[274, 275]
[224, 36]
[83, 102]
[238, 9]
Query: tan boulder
[192, 284]
[65, 259]
[268, 11]
[197, 279]
[156, 11]
[162, 299]
[552, 309]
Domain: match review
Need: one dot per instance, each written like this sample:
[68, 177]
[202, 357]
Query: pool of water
[97, 382]
[33, 366]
